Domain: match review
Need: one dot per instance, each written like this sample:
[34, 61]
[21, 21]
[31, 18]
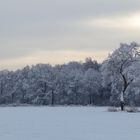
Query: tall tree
[92, 85]
[121, 68]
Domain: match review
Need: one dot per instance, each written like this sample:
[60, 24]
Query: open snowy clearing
[67, 123]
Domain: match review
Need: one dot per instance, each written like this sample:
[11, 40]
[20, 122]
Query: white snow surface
[67, 123]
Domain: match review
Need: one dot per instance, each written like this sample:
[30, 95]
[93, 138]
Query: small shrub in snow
[132, 109]
[113, 109]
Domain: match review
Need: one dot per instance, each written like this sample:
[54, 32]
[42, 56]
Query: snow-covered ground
[67, 123]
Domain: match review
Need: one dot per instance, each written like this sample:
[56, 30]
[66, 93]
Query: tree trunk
[122, 101]
[125, 85]
[76, 98]
[12, 97]
[1, 89]
[122, 106]
[91, 99]
[52, 101]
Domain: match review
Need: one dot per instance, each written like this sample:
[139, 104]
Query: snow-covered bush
[112, 109]
[131, 109]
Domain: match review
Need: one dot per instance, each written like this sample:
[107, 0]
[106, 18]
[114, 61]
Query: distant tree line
[76, 83]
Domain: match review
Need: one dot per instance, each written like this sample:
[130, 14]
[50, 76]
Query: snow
[67, 123]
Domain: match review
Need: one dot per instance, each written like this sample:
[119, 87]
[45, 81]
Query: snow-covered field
[67, 123]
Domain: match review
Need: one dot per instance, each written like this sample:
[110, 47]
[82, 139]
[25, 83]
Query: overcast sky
[58, 31]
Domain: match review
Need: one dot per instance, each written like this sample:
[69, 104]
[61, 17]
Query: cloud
[30, 27]
[127, 22]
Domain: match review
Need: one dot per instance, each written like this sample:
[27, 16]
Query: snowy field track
[67, 123]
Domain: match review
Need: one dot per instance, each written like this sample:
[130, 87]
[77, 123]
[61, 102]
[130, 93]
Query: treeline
[75, 83]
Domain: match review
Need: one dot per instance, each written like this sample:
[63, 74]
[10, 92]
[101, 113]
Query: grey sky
[57, 31]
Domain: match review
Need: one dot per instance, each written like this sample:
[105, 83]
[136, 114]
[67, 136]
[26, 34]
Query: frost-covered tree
[121, 68]
[70, 83]
[91, 64]
[92, 85]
